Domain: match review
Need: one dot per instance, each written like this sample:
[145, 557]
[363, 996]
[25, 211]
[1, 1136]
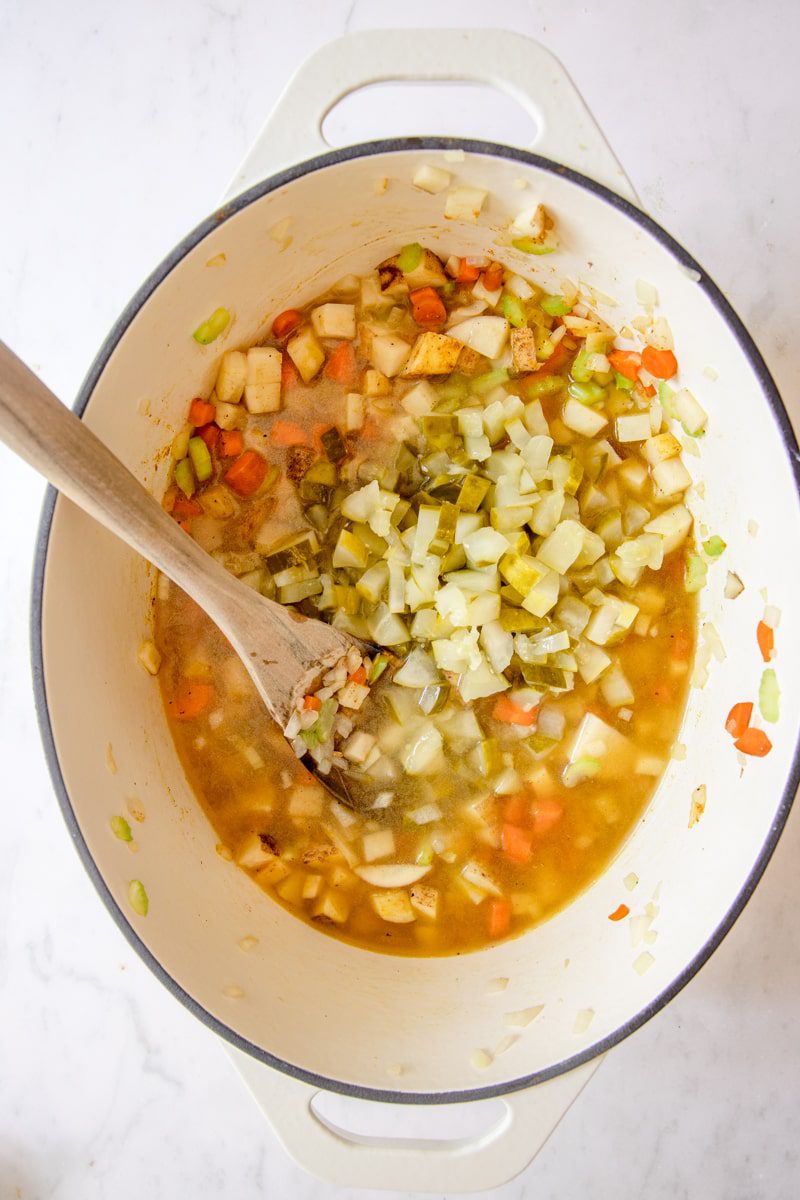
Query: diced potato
[376, 384]
[523, 350]
[353, 411]
[431, 179]
[231, 377]
[425, 900]
[533, 223]
[334, 906]
[229, 416]
[429, 272]
[388, 354]
[311, 887]
[348, 285]
[464, 203]
[432, 354]
[371, 295]
[670, 478]
[487, 335]
[478, 875]
[272, 872]
[253, 852]
[633, 427]
[217, 501]
[306, 353]
[262, 391]
[673, 525]
[660, 448]
[291, 889]
[378, 845]
[393, 906]
[419, 400]
[334, 321]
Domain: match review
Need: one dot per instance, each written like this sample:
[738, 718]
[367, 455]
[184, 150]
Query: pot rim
[773, 399]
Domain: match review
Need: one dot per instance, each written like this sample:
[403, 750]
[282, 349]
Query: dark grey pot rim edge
[772, 396]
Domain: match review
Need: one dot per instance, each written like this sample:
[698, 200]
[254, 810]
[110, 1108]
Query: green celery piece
[378, 667]
[555, 306]
[769, 696]
[409, 257]
[512, 309]
[528, 246]
[714, 546]
[200, 455]
[622, 382]
[665, 394]
[137, 897]
[579, 370]
[696, 572]
[121, 829]
[587, 393]
[209, 330]
[482, 384]
[184, 477]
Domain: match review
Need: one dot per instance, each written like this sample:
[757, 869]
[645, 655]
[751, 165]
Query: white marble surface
[120, 126]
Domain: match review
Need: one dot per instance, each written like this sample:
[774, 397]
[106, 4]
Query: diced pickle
[517, 620]
[473, 492]
[540, 675]
[301, 551]
[333, 444]
[439, 430]
[521, 571]
[442, 540]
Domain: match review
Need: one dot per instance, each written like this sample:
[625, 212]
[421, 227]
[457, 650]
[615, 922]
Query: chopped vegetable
[619, 913]
[714, 546]
[247, 473]
[765, 636]
[753, 742]
[661, 364]
[121, 829]
[137, 898]
[209, 330]
[286, 323]
[769, 696]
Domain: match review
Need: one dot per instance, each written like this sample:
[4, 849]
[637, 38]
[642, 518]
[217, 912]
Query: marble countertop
[121, 126]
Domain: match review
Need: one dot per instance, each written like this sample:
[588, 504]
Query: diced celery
[528, 246]
[696, 572]
[580, 371]
[201, 459]
[184, 477]
[483, 384]
[379, 665]
[409, 257]
[714, 546]
[216, 324]
[137, 897]
[555, 306]
[121, 829]
[548, 385]
[622, 382]
[513, 310]
[587, 393]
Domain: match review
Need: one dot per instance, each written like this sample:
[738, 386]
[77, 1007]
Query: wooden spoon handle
[48, 436]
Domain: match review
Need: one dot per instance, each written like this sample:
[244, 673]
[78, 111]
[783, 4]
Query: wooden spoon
[284, 652]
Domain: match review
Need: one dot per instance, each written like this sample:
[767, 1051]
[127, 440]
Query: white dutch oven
[327, 1015]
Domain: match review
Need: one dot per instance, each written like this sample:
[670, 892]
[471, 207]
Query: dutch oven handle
[566, 132]
[401, 1164]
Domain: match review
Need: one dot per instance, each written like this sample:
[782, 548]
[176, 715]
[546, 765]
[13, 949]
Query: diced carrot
[648, 391]
[288, 433]
[312, 703]
[341, 364]
[190, 700]
[201, 412]
[247, 473]
[766, 640]
[626, 362]
[358, 676]
[290, 375]
[286, 322]
[427, 308]
[517, 808]
[466, 274]
[186, 506]
[738, 719]
[547, 813]
[754, 742]
[516, 842]
[499, 918]
[509, 713]
[493, 277]
[317, 431]
[231, 443]
[662, 364]
[620, 913]
[209, 434]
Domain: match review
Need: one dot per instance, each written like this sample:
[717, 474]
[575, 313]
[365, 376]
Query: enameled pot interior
[354, 1019]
